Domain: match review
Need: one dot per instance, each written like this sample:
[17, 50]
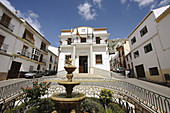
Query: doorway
[14, 70]
[140, 71]
[83, 64]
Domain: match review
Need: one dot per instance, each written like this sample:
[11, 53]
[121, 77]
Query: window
[43, 46]
[35, 54]
[66, 58]
[130, 56]
[31, 68]
[143, 31]
[25, 51]
[1, 40]
[136, 54]
[28, 36]
[5, 20]
[148, 48]
[133, 40]
[69, 41]
[49, 66]
[98, 40]
[127, 58]
[83, 40]
[153, 71]
[51, 59]
[41, 58]
[98, 59]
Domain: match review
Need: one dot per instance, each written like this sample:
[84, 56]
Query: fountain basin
[69, 87]
[63, 103]
[69, 68]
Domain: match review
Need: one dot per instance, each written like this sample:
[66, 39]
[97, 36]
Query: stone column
[74, 54]
[91, 59]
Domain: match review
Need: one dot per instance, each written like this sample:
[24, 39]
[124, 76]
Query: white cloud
[153, 6]
[164, 2]
[30, 16]
[143, 3]
[86, 12]
[97, 2]
[122, 1]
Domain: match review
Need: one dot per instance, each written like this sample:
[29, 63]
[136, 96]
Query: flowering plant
[35, 92]
[105, 96]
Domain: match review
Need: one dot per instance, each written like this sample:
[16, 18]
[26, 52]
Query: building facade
[87, 47]
[149, 45]
[23, 49]
[123, 50]
[52, 59]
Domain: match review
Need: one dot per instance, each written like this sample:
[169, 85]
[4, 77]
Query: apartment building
[149, 45]
[23, 49]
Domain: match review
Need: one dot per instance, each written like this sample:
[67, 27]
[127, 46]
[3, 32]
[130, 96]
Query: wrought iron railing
[89, 91]
[6, 24]
[4, 47]
[25, 53]
[43, 61]
[154, 101]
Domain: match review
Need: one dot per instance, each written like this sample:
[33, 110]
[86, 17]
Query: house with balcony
[150, 48]
[9, 26]
[87, 47]
[30, 50]
[22, 48]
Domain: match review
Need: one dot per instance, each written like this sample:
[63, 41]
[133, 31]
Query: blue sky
[49, 17]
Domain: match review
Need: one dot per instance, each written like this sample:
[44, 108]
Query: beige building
[123, 50]
[150, 48]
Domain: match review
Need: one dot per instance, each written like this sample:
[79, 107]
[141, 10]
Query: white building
[52, 59]
[23, 49]
[87, 47]
[149, 44]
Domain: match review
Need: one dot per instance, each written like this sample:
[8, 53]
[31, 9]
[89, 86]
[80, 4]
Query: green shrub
[105, 96]
[91, 106]
[35, 92]
[115, 108]
[42, 106]
[109, 111]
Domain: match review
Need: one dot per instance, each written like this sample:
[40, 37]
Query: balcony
[44, 49]
[4, 47]
[25, 53]
[6, 24]
[43, 61]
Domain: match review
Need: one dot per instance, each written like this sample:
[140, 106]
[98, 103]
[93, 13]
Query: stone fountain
[65, 102]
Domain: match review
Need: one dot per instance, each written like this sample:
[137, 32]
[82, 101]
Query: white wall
[105, 58]
[4, 61]
[151, 27]
[61, 63]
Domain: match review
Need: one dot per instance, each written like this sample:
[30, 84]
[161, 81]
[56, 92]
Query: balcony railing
[43, 61]
[78, 41]
[44, 49]
[4, 47]
[5, 24]
[25, 53]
